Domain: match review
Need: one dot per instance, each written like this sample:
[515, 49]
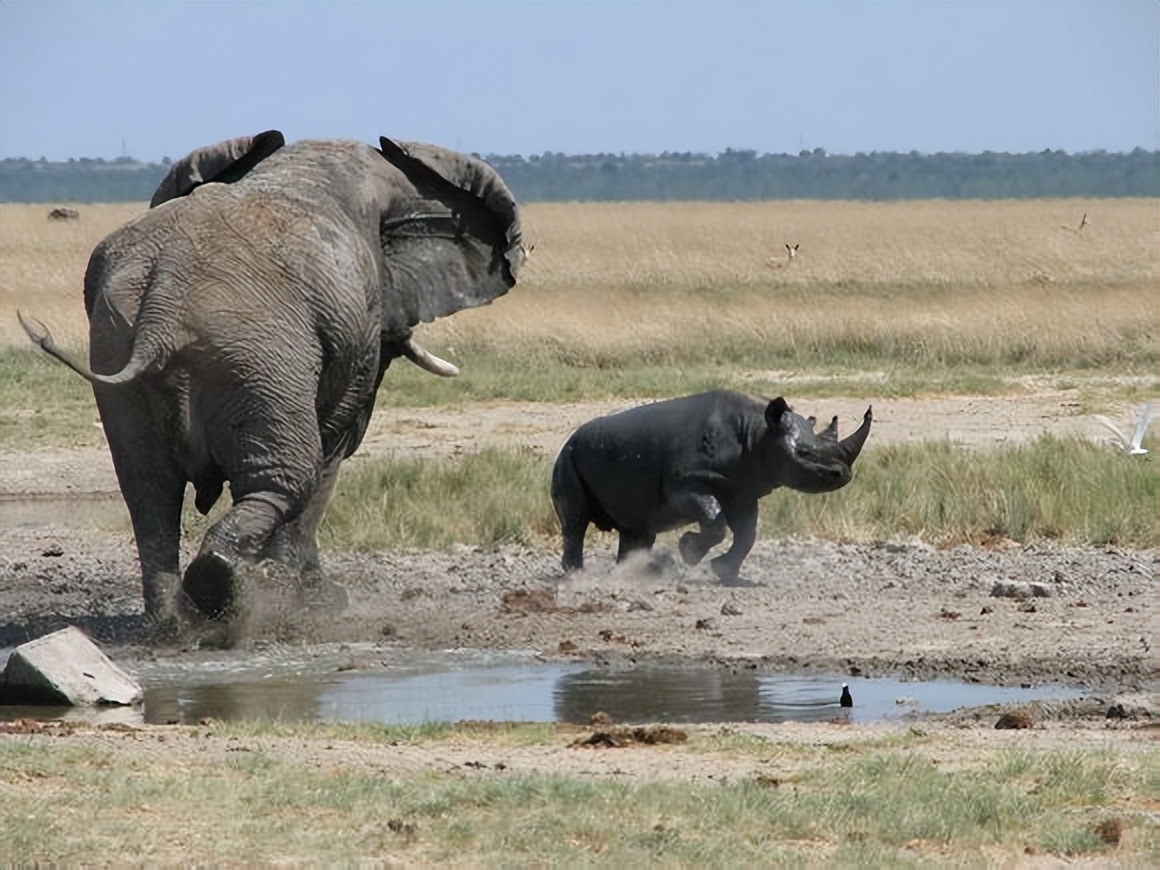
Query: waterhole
[364, 684]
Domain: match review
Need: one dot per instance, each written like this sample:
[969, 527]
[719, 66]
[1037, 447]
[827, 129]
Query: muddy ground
[1089, 618]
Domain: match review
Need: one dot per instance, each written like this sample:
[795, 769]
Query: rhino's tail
[147, 355]
[566, 485]
[572, 498]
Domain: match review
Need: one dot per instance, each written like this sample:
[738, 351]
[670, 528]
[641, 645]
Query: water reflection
[555, 691]
[284, 700]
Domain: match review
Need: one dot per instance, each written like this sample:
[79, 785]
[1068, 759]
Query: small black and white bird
[846, 700]
[1146, 415]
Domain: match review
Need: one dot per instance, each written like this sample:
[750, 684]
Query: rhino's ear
[451, 241]
[224, 162]
[775, 411]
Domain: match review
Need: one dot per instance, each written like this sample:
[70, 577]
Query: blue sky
[154, 79]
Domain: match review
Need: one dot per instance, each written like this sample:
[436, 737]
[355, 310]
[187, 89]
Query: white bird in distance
[1146, 415]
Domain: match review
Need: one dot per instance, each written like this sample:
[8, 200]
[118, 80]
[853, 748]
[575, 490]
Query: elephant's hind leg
[153, 487]
[210, 582]
[271, 459]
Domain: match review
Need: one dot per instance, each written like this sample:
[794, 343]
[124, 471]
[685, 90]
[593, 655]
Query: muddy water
[365, 684]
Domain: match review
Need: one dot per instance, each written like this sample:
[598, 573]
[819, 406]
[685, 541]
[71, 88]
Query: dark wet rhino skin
[704, 459]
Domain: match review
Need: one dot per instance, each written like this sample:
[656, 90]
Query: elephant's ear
[225, 162]
[453, 243]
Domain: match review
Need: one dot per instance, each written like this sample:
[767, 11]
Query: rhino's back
[628, 460]
[671, 424]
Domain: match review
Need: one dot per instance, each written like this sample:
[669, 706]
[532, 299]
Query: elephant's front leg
[295, 545]
[742, 521]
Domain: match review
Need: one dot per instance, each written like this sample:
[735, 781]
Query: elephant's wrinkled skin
[241, 328]
[704, 459]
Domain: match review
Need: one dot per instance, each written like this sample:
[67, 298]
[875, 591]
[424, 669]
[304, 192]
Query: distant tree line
[731, 175]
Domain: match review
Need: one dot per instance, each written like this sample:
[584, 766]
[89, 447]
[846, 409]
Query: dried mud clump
[1015, 719]
[1109, 831]
[620, 736]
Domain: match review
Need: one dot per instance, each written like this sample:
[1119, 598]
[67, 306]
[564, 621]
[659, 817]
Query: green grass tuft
[1067, 490]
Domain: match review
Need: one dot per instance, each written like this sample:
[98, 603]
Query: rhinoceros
[704, 459]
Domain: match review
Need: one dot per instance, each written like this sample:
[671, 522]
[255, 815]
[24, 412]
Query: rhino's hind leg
[572, 509]
[630, 542]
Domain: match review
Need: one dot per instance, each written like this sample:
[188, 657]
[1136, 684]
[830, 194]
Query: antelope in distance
[64, 214]
[790, 253]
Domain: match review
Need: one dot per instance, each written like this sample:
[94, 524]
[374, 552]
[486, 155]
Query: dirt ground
[891, 608]
[1087, 617]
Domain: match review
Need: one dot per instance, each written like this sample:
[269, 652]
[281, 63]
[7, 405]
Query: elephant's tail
[143, 357]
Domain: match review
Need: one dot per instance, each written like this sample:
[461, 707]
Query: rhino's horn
[852, 444]
[831, 431]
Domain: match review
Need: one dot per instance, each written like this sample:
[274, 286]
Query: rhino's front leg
[694, 545]
[706, 511]
[743, 522]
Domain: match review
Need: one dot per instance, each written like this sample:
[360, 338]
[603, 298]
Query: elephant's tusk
[428, 361]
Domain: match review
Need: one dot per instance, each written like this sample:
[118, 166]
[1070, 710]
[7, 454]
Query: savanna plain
[993, 339]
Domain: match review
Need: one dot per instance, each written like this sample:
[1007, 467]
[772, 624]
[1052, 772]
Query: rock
[65, 668]
[1116, 711]
[1022, 591]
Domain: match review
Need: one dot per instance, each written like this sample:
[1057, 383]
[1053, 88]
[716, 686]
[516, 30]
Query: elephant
[239, 330]
[705, 459]
[223, 162]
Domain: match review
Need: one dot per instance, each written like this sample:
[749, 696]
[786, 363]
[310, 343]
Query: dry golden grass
[932, 280]
[974, 279]
[42, 266]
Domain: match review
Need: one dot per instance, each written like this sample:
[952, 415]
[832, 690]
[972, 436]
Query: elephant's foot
[209, 590]
[160, 593]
